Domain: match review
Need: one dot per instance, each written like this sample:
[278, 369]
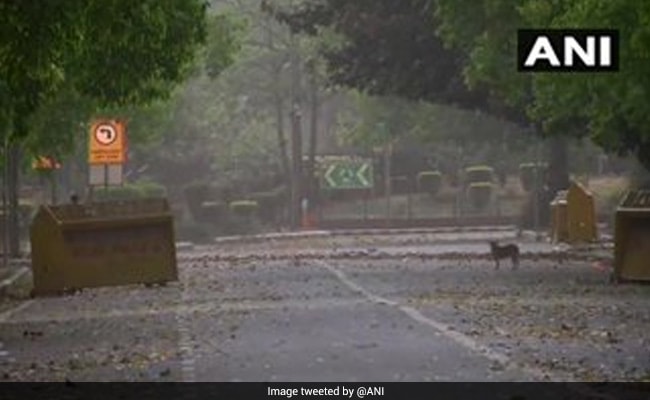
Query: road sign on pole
[348, 174]
[107, 143]
[107, 152]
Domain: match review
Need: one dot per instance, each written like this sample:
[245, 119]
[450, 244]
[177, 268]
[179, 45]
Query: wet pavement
[257, 312]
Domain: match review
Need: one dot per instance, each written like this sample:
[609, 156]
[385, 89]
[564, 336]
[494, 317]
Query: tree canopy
[464, 52]
[115, 52]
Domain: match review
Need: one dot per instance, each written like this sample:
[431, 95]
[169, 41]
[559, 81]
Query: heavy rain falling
[325, 191]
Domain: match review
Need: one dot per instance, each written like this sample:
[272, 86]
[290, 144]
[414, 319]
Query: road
[359, 308]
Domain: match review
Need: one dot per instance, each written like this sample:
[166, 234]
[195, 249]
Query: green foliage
[130, 191]
[163, 35]
[611, 108]
[224, 41]
[429, 182]
[98, 48]
[244, 208]
[479, 174]
[125, 192]
[480, 194]
[152, 189]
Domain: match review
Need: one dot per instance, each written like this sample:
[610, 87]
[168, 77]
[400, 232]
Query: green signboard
[348, 174]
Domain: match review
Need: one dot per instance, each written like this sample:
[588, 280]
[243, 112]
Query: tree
[371, 54]
[116, 53]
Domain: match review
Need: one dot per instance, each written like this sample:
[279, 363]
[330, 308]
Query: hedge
[244, 208]
[480, 194]
[479, 174]
[429, 182]
[130, 191]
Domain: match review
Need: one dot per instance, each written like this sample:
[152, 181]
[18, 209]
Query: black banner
[280, 391]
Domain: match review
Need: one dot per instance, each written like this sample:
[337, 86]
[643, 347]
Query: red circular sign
[105, 134]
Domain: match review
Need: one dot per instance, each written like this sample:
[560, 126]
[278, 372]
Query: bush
[125, 192]
[527, 174]
[244, 208]
[480, 194]
[429, 182]
[479, 174]
[400, 185]
[213, 212]
[153, 189]
[130, 191]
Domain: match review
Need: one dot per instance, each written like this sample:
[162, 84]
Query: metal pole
[536, 205]
[106, 180]
[387, 186]
[296, 140]
[5, 210]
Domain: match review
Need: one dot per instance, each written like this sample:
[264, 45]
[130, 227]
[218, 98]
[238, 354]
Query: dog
[510, 251]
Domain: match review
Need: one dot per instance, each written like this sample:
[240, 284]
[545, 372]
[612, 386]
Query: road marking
[5, 316]
[185, 342]
[445, 329]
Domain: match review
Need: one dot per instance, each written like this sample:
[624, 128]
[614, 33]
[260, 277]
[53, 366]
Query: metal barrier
[102, 244]
[574, 215]
[581, 214]
[632, 237]
[559, 232]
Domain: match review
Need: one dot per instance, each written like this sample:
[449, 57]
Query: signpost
[348, 174]
[46, 166]
[107, 152]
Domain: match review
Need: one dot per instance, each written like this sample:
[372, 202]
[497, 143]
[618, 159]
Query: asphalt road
[260, 314]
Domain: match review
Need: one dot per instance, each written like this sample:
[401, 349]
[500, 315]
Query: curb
[353, 232]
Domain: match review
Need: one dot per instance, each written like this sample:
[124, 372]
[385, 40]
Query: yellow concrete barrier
[102, 244]
[574, 216]
[559, 231]
[632, 237]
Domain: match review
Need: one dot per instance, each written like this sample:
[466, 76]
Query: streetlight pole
[5, 210]
[296, 150]
[537, 186]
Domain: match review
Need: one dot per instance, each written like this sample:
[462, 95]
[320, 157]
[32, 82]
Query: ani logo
[572, 50]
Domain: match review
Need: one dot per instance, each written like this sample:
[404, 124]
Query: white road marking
[5, 316]
[446, 330]
[185, 342]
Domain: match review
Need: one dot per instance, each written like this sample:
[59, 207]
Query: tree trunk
[558, 168]
[296, 176]
[284, 155]
[13, 192]
[313, 142]
[282, 140]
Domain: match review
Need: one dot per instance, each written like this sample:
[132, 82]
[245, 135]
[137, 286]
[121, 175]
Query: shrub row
[130, 191]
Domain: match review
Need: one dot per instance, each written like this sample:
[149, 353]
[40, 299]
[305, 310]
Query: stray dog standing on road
[510, 251]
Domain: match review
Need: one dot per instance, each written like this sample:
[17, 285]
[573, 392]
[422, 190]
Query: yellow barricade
[102, 244]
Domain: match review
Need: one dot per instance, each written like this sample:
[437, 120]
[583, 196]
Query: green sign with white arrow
[348, 174]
